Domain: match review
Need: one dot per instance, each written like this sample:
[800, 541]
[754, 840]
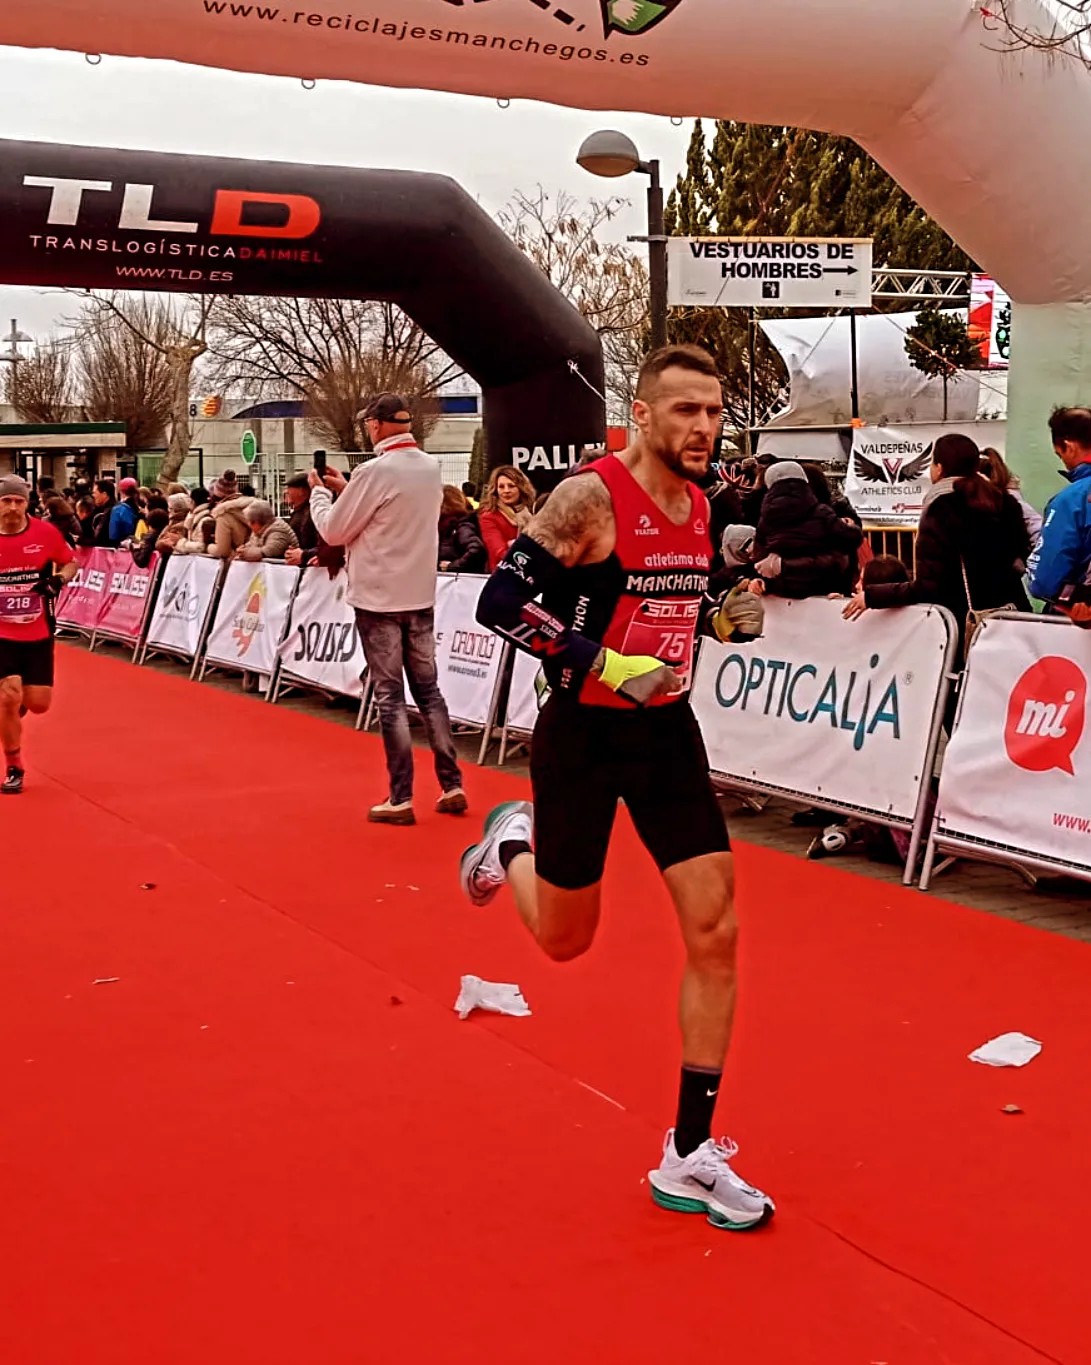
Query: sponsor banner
[888, 472]
[80, 604]
[1017, 772]
[127, 597]
[522, 714]
[322, 647]
[184, 601]
[769, 272]
[832, 710]
[468, 656]
[990, 322]
[251, 616]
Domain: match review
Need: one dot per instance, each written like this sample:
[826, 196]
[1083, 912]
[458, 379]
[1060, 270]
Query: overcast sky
[166, 107]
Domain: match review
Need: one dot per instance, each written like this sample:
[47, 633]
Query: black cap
[387, 407]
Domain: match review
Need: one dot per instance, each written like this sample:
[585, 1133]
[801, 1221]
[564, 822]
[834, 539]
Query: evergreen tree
[757, 180]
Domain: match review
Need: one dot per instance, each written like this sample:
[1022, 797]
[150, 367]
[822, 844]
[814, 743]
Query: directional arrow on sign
[840, 270]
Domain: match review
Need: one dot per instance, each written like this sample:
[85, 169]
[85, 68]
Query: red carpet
[272, 1140]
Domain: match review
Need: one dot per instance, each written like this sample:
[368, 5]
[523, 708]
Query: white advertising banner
[251, 616]
[1017, 772]
[322, 647]
[184, 602]
[769, 272]
[888, 474]
[468, 656]
[522, 713]
[836, 711]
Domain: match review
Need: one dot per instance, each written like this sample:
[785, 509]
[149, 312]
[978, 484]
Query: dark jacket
[306, 532]
[816, 546]
[460, 545]
[101, 519]
[993, 545]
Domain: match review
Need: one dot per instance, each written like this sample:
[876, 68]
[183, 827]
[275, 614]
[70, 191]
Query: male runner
[35, 563]
[620, 558]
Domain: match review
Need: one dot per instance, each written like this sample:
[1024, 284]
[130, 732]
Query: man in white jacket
[387, 518]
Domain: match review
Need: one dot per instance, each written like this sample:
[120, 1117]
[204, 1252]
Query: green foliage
[939, 345]
[479, 466]
[757, 180]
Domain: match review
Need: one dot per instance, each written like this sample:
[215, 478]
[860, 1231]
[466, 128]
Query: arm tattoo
[578, 511]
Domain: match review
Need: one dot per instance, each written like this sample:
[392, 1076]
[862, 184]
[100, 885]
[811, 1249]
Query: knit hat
[127, 486]
[226, 486]
[736, 545]
[12, 486]
[784, 469]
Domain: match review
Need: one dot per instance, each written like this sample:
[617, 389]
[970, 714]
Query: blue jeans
[399, 640]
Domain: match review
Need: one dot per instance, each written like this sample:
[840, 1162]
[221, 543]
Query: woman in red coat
[505, 511]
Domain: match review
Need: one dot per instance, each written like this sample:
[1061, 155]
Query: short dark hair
[46, 483]
[1071, 424]
[683, 357]
[106, 486]
[298, 481]
[158, 519]
[199, 496]
[884, 569]
[470, 489]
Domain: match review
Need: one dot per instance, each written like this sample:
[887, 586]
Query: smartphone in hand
[320, 463]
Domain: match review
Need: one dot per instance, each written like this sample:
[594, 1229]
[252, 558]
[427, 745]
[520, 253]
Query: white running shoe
[480, 871]
[704, 1182]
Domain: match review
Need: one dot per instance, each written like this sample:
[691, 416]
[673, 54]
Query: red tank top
[664, 574]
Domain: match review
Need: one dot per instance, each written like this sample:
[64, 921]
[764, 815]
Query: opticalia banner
[322, 647]
[468, 656]
[888, 473]
[251, 616]
[1017, 772]
[184, 602]
[127, 597]
[828, 709]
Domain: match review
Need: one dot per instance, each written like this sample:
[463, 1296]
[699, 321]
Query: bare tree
[1064, 28]
[176, 330]
[606, 281]
[123, 377]
[40, 387]
[332, 353]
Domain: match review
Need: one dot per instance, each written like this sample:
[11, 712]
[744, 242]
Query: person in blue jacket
[125, 514]
[1059, 567]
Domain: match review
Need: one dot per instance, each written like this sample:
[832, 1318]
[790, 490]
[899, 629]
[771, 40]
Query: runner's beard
[676, 460]
[11, 523]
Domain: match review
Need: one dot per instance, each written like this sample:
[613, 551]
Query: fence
[842, 715]
[1016, 780]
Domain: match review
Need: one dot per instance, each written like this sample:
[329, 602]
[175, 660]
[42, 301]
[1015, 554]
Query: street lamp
[611, 154]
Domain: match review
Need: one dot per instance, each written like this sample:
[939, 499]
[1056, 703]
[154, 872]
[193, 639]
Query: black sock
[14, 758]
[510, 849]
[696, 1102]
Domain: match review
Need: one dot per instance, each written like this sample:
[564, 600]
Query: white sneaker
[704, 1182]
[480, 871]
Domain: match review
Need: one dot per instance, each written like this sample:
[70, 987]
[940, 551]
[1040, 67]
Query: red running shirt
[22, 558]
[656, 607]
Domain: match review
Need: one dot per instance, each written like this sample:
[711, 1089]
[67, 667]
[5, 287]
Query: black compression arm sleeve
[507, 606]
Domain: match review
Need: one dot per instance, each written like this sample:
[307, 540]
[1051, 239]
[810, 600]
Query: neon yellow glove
[638, 677]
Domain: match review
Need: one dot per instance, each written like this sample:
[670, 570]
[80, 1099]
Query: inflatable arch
[991, 143]
[135, 220]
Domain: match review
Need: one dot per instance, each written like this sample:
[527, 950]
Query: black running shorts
[31, 660]
[585, 759]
